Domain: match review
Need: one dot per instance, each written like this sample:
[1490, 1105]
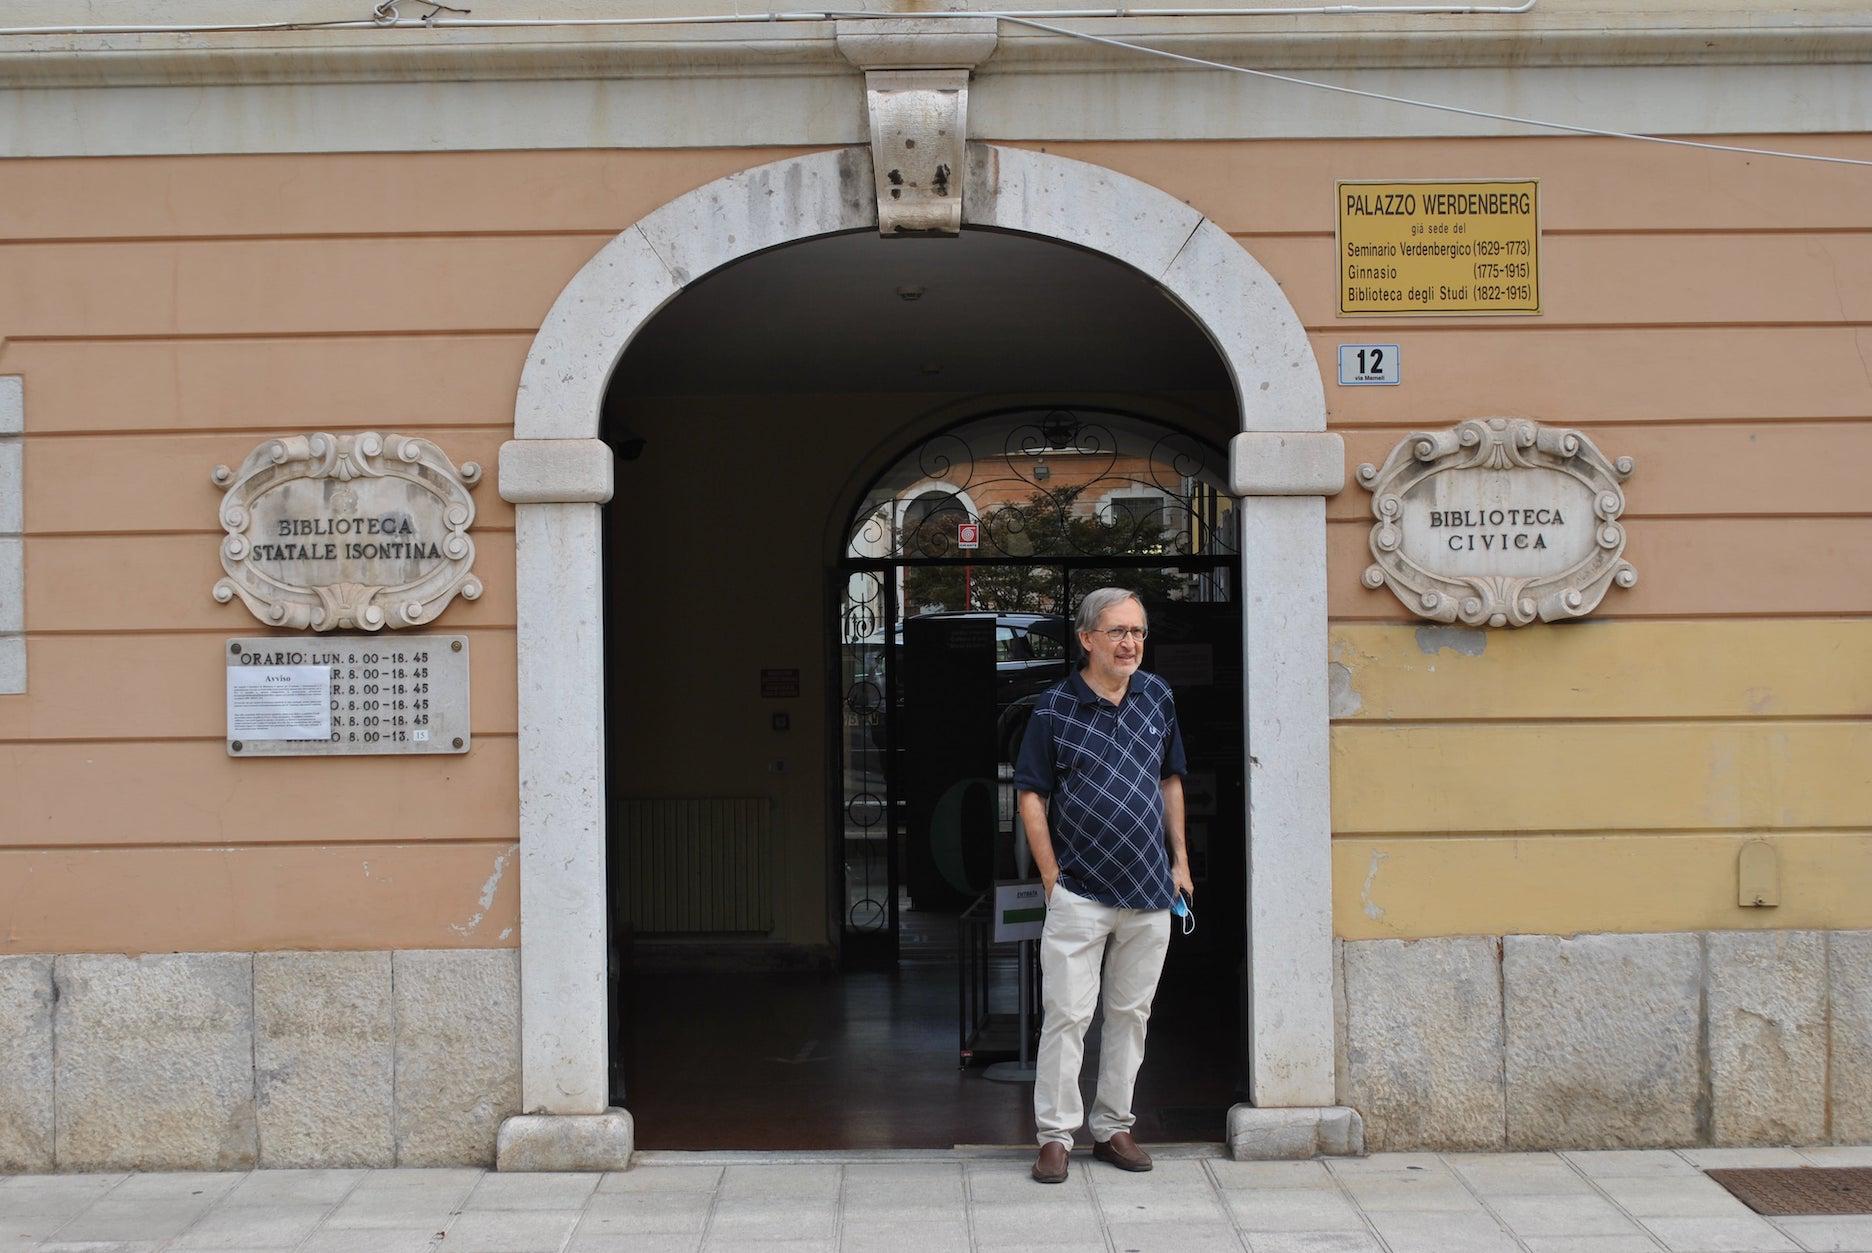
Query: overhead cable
[1412, 102]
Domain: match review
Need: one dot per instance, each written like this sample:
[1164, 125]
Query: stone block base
[228, 1061]
[565, 1142]
[1256, 1134]
[1608, 1041]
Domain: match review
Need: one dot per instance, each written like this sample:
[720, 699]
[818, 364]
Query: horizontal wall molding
[438, 894]
[1249, 189]
[63, 102]
[1509, 776]
[1550, 34]
[1616, 670]
[12, 543]
[466, 285]
[1414, 887]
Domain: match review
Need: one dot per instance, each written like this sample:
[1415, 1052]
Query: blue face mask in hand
[1181, 908]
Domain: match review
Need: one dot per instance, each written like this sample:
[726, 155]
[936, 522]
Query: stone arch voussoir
[617, 292]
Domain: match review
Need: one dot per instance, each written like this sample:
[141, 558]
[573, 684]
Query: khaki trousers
[1131, 943]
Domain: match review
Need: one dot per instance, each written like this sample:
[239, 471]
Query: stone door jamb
[557, 472]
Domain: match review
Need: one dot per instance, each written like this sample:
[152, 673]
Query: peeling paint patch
[506, 933]
[1469, 641]
[1372, 909]
[1341, 700]
[488, 889]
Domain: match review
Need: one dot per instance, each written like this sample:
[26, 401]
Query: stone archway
[557, 472]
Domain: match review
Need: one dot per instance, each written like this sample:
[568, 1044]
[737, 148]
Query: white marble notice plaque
[347, 532]
[1498, 522]
[378, 695]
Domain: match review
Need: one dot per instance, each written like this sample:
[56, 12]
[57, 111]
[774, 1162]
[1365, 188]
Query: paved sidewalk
[1194, 1201]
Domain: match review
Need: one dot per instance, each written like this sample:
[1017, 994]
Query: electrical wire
[1440, 107]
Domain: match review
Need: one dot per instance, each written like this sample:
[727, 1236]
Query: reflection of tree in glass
[1048, 524]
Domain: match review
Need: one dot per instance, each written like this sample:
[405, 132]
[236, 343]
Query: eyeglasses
[1119, 635]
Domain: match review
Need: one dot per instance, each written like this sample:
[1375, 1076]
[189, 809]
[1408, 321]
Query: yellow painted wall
[1705, 315]
[1599, 776]
[1703, 312]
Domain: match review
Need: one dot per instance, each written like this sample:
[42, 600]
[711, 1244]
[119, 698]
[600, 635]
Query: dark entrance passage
[965, 564]
[866, 1058]
[812, 720]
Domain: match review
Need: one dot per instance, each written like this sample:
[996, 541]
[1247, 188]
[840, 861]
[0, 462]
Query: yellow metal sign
[1439, 247]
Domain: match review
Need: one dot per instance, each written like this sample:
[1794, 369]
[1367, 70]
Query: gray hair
[1096, 603]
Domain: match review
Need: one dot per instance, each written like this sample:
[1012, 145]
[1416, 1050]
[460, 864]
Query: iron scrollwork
[1059, 485]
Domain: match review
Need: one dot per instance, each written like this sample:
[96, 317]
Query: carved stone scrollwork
[347, 532]
[1498, 522]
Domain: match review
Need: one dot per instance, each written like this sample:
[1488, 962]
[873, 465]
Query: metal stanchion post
[1021, 1071]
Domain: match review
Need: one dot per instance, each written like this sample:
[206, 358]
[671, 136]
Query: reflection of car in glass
[1030, 656]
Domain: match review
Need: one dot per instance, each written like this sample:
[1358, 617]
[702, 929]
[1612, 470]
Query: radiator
[690, 864]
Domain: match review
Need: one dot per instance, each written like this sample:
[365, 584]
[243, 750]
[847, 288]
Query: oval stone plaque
[347, 532]
[1498, 522]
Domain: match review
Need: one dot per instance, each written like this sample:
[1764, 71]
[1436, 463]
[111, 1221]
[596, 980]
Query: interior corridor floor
[868, 1059]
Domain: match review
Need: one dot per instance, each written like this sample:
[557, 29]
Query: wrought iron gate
[1004, 522]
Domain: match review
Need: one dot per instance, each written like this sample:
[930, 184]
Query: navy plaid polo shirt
[1103, 765]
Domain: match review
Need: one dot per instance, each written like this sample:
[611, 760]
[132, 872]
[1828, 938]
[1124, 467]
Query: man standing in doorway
[1101, 793]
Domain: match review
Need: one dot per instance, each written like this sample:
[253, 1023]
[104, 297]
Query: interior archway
[748, 403]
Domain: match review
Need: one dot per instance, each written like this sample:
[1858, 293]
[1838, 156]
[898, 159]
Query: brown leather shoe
[1050, 1166]
[1123, 1152]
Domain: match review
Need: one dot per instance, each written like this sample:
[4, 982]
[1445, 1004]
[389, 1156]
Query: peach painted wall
[1707, 314]
[166, 315]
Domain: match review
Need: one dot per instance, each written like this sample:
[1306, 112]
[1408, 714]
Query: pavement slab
[1313, 1242]
[1175, 1237]
[1829, 1234]
[510, 1231]
[1719, 1235]
[1520, 1174]
[1591, 1244]
[387, 1240]
[1229, 1175]
[666, 1243]
[1623, 1201]
[1294, 1209]
[1563, 1216]
[252, 1227]
[1443, 1233]
[295, 1187]
[894, 1237]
